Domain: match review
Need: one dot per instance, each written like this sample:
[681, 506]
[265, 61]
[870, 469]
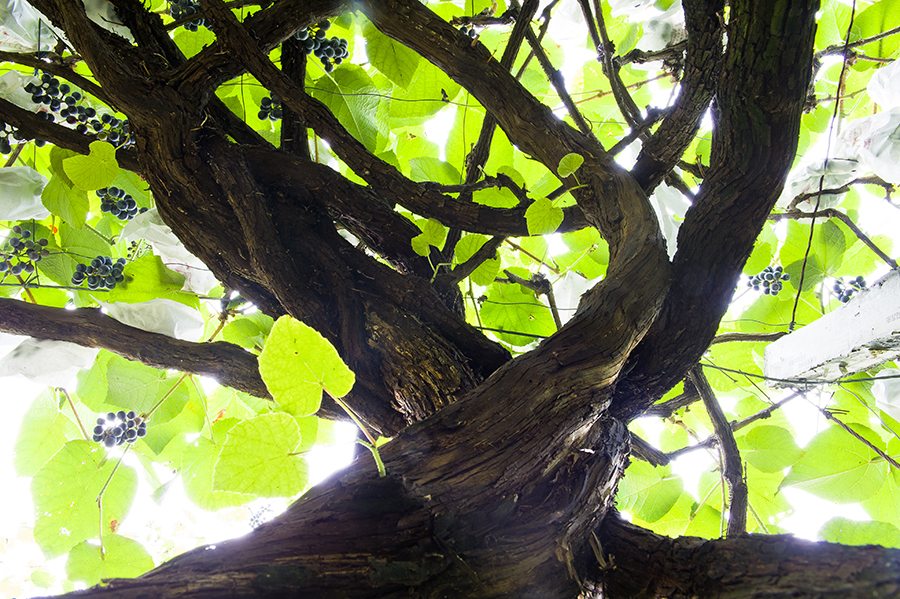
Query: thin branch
[735, 426]
[730, 337]
[667, 408]
[644, 451]
[540, 285]
[825, 412]
[61, 69]
[559, 85]
[487, 251]
[731, 455]
[841, 48]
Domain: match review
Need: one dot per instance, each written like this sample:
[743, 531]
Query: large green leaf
[877, 18]
[850, 532]
[249, 330]
[839, 467]
[43, 432]
[120, 557]
[134, 386]
[96, 170]
[198, 463]
[148, 278]
[392, 58]
[69, 203]
[510, 309]
[543, 217]
[65, 492]
[298, 364]
[648, 492]
[258, 458]
[769, 448]
[354, 99]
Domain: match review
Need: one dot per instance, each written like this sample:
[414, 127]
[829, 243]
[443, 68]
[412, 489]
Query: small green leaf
[543, 217]
[249, 331]
[121, 558]
[487, 271]
[850, 532]
[297, 364]
[257, 457]
[569, 164]
[65, 492]
[97, 169]
[433, 233]
[148, 278]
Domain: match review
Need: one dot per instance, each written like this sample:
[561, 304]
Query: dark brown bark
[750, 566]
[501, 471]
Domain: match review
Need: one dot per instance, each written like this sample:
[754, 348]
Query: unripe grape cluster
[770, 280]
[118, 203]
[270, 108]
[23, 252]
[331, 52]
[844, 290]
[101, 273]
[179, 9]
[118, 428]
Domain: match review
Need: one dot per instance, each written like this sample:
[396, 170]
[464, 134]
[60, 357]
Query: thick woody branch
[225, 362]
[649, 566]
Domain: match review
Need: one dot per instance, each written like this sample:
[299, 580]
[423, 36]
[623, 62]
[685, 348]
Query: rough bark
[502, 470]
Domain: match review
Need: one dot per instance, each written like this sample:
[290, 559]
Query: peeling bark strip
[501, 482]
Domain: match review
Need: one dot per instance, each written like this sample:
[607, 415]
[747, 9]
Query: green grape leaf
[97, 169]
[431, 169]
[392, 58]
[883, 504]
[197, 470]
[298, 364]
[148, 278]
[354, 99]
[543, 217]
[569, 164]
[257, 457]
[65, 492]
[839, 467]
[43, 432]
[648, 492]
[134, 386]
[425, 96]
[877, 18]
[769, 448]
[487, 271]
[433, 233]
[511, 309]
[249, 330]
[121, 557]
[69, 203]
[850, 532]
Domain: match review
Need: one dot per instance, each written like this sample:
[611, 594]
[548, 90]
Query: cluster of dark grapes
[118, 428]
[769, 279]
[24, 251]
[331, 52]
[101, 273]
[262, 516]
[844, 290]
[180, 9]
[118, 203]
[270, 108]
[470, 31]
[68, 103]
